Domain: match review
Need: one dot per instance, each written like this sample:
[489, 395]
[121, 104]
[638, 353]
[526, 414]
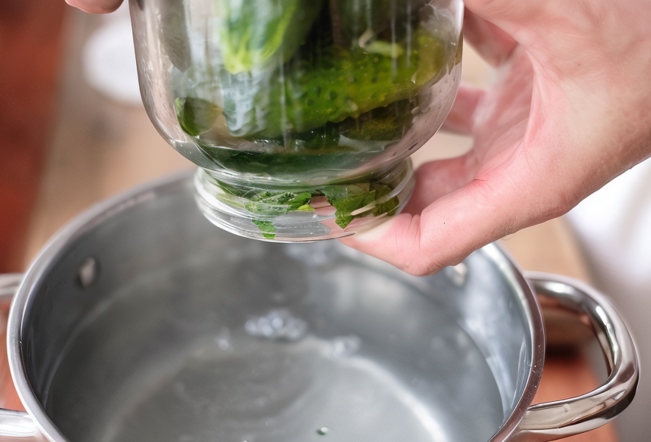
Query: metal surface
[9, 284]
[14, 424]
[555, 420]
[142, 322]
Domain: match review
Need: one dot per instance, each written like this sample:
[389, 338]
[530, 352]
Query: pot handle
[558, 419]
[14, 424]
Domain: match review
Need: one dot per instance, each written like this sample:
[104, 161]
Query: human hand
[96, 6]
[570, 110]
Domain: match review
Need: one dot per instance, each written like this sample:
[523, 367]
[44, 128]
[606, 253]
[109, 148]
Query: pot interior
[150, 324]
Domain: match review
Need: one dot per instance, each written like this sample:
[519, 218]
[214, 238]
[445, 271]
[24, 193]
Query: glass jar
[301, 114]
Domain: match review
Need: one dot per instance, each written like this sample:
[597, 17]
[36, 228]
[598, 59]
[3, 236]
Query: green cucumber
[337, 85]
[257, 34]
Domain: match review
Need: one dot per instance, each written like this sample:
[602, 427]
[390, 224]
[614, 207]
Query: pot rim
[535, 322]
[135, 196]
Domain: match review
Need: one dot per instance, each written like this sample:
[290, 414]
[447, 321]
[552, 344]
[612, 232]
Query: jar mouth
[296, 213]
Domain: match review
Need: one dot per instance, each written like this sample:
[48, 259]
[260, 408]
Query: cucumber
[342, 145]
[344, 83]
[255, 35]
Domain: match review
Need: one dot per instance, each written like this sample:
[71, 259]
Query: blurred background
[73, 132]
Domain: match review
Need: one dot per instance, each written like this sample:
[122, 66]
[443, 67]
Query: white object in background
[614, 229]
[109, 60]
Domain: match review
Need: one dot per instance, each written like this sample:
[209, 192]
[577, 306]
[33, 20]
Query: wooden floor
[98, 147]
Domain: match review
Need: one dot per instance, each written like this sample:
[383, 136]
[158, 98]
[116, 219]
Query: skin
[569, 110]
[95, 6]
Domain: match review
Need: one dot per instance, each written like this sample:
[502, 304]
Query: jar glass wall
[301, 114]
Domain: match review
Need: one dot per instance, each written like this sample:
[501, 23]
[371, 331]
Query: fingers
[491, 42]
[462, 115]
[496, 27]
[437, 178]
[495, 203]
[95, 6]
[444, 234]
[506, 12]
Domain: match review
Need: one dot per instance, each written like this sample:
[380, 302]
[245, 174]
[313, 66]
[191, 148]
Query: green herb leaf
[306, 208]
[348, 198]
[267, 228]
[267, 203]
[276, 204]
[345, 198]
[196, 115]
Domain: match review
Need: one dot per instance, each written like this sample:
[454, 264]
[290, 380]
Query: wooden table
[99, 147]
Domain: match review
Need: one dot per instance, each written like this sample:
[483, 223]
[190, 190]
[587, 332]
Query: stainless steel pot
[142, 322]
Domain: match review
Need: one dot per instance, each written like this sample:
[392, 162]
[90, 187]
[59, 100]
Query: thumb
[443, 234]
[497, 202]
